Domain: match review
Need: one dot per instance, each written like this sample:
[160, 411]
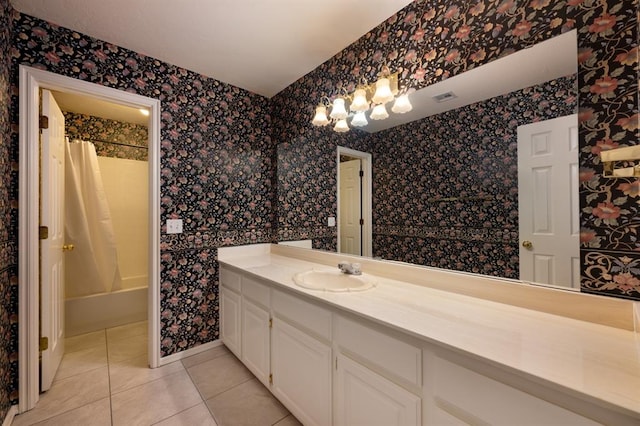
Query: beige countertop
[597, 363]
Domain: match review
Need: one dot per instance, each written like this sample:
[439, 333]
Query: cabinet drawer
[304, 314]
[230, 279]
[472, 398]
[386, 353]
[255, 291]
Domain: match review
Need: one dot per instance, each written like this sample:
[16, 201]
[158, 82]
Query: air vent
[444, 97]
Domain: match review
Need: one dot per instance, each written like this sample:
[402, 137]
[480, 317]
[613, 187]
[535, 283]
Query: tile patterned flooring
[104, 380]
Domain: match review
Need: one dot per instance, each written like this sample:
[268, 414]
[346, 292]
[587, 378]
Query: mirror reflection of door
[350, 215]
[548, 205]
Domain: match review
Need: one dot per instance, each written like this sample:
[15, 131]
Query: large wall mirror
[446, 187]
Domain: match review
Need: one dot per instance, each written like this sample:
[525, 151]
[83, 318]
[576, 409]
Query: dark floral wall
[110, 137]
[445, 188]
[430, 40]
[217, 164]
[8, 227]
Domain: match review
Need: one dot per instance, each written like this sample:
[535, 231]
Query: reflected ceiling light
[144, 112]
[379, 112]
[359, 119]
[353, 106]
[402, 104]
[341, 126]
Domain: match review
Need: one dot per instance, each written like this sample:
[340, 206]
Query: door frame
[31, 80]
[367, 229]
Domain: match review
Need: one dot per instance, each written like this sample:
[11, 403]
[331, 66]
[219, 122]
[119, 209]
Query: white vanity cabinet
[256, 322]
[378, 376]
[301, 358]
[230, 321]
[337, 366]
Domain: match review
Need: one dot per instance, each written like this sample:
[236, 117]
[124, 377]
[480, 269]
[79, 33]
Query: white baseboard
[190, 352]
[11, 414]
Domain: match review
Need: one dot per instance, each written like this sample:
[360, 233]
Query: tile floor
[104, 380]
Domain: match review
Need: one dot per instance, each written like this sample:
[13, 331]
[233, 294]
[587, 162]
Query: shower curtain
[92, 267]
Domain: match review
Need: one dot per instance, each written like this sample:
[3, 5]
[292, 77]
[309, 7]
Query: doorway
[354, 202]
[31, 82]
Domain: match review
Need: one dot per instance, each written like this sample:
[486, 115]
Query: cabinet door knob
[68, 247]
[527, 244]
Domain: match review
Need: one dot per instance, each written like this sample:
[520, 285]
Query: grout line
[179, 412]
[106, 342]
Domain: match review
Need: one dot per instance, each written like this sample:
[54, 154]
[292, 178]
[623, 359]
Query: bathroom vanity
[406, 353]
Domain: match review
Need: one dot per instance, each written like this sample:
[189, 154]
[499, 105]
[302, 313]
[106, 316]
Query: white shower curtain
[92, 267]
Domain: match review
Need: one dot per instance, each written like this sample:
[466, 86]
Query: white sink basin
[333, 281]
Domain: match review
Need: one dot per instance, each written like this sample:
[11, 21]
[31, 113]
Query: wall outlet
[174, 226]
[331, 221]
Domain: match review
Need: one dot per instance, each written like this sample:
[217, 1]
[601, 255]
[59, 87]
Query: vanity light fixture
[144, 112]
[365, 97]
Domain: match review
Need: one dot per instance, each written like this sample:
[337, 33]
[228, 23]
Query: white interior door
[350, 207]
[548, 202]
[51, 249]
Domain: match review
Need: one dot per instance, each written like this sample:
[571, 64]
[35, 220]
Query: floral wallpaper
[430, 40]
[101, 131]
[465, 154]
[8, 226]
[217, 164]
[219, 157]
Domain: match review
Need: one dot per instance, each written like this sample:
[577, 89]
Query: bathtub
[104, 310]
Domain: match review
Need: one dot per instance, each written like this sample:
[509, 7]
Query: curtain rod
[110, 142]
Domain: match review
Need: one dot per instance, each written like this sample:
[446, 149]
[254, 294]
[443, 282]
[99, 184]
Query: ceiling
[259, 45]
[80, 104]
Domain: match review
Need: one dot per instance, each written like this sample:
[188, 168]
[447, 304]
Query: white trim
[31, 81]
[11, 414]
[367, 194]
[190, 352]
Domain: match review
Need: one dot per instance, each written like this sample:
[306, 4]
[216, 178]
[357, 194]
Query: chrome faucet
[350, 268]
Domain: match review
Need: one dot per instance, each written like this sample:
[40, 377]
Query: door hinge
[43, 122]
[361, 173]
[336, 363]
[43, 232]
[361, 222]
[270, 322]
[270, 379]
[44, 344]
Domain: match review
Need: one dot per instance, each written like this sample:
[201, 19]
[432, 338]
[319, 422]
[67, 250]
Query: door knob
[527, 244]
[68, 247]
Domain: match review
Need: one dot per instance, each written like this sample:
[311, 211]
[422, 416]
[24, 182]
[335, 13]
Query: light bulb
[379, 112]
[341, 126]
[359, 119]
[383, 92]
[320, 119]
[360, 102]
[338, 110]
[402, 104]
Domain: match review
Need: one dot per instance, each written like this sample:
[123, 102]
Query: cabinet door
[363, 397]
[301, 367]
[230, 320]
[255, 340]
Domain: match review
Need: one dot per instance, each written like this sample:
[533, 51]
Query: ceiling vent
[444, 97]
